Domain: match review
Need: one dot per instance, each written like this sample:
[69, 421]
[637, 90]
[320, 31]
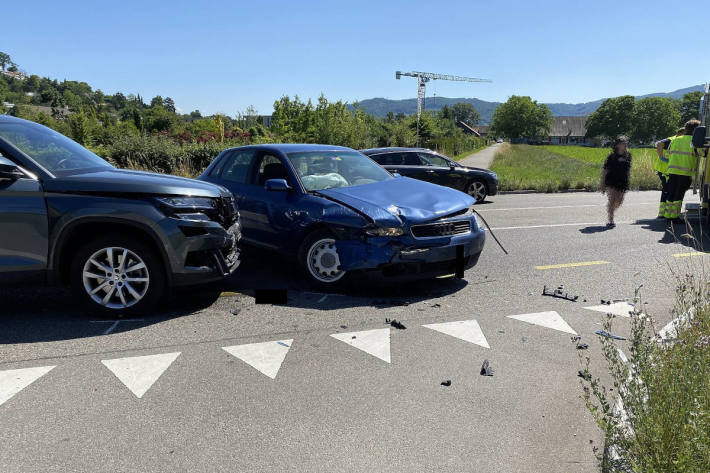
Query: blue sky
[222, 56]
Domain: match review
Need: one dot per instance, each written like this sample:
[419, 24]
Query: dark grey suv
[120, 238]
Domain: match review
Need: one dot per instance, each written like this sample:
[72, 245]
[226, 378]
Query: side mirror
[9, 171]
[278, 185]
[396, 174]
[452, 166]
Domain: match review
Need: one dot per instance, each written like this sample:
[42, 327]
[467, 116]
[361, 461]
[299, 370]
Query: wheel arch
[89, 227]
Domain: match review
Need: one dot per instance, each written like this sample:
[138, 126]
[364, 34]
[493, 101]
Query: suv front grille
[441, 229]
[227, 211]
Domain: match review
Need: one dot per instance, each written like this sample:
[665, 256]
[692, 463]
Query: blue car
[338, 212]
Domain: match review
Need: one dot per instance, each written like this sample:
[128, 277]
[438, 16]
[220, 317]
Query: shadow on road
[691, 233]
[41, 314]
[595, 229]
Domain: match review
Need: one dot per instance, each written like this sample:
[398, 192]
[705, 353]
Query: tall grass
[560, 168]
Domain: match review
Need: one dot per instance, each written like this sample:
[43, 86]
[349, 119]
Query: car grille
[441, 229]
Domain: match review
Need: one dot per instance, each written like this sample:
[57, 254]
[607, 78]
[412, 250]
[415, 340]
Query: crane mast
[422, 79]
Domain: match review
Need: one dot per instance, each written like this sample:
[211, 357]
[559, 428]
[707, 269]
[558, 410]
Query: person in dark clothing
[615, 176]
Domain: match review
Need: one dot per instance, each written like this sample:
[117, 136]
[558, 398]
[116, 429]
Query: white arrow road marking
[374, 342]
[620, 309]
[549, 319]
[467, 330]
[266, 357]
[139, 373]
[14, 381]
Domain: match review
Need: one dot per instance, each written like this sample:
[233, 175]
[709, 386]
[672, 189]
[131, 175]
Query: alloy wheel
[115, 278]
[477, 190]
[323, 261]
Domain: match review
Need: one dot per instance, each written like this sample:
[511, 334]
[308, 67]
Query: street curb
[532, 191]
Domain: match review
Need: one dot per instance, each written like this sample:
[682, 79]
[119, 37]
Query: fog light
[392, 231]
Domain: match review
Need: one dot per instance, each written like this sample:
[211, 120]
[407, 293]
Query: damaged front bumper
[406, 257]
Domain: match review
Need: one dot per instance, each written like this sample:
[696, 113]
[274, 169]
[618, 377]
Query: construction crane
[423, 78]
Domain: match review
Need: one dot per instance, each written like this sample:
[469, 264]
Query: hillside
[380, 107]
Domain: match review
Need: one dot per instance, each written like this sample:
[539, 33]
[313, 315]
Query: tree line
[129, 130]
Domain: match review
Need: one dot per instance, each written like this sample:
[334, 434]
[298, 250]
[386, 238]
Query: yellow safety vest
[661, 164]
[682, 161]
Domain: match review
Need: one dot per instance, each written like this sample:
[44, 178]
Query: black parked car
[119, 238]
[420, 163]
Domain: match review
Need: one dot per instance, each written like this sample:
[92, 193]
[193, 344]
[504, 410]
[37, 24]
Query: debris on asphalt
[487, 369]
[606, 334]
[582, 346]
[235, 310]
[523, 339]
[271, 296]
[578, 343]
[435, 305]
[353, 337]
[501, 331]
[584, 375]
[343, 326]
[394, 323]
[559, 294]
[446, 383]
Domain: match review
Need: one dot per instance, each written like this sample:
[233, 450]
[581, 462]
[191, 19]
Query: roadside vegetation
[559, 168]
[654, 407]
[155, 135]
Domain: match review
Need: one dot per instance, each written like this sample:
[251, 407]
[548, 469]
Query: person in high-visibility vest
[682, 162]
[661, 168]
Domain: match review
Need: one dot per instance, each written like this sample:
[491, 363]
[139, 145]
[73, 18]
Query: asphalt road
[481, 159]
[162, 394]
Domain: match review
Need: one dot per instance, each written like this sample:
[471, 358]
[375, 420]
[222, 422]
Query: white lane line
[620, 309]
[467, 330]
[560, 207]
[139, 373]
[374, 342]
[549, 319]
[579, 224]
[266, 357]
[14, 381]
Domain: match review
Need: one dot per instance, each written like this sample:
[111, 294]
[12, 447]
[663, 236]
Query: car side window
[412, 159]
[433, 160]
[237, 165]
[388, 159]
[270, 167]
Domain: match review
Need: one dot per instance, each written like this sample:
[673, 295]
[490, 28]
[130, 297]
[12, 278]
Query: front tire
[117, 275]
[320, 261]
[478, 190]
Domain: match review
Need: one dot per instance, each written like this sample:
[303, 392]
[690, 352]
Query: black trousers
[664, 186]
[677, 187]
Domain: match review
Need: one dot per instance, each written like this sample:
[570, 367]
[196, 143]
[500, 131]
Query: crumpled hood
[122, 181]
[411, 200]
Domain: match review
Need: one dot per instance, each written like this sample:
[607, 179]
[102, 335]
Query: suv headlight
[187, 203]
[390, 231]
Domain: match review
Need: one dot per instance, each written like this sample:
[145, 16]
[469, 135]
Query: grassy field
[559, 168]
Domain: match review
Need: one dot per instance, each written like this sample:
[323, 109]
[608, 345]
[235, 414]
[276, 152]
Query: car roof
[294, 147]
[11, 119]
[392, 149]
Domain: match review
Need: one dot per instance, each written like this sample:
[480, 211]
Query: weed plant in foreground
[655, 410]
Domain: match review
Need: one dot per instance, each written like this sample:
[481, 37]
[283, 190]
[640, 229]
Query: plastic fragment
[446, 383]
[606, 334]
[487, 369]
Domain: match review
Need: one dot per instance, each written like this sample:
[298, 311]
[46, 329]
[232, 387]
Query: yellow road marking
[571, 265]
[692, 253]
[229, 294]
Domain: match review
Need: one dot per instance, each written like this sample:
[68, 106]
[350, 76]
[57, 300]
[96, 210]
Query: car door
[441, 172]
[23, 227]
[266, 214]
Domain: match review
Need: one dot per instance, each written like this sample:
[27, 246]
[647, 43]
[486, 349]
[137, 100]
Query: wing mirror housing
[278, 185]
[396, 174]
[9, 171]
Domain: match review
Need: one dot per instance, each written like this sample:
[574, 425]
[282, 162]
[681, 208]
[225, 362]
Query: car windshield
[51, 150]
[320, 170]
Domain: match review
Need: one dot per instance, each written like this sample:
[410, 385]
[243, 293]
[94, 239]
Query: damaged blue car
[338, 212]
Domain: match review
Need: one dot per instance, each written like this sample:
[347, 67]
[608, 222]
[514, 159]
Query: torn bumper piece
[407, 257]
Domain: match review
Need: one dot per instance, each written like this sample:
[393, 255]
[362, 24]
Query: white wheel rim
[477, 190]
[323, 261]
[115, 278]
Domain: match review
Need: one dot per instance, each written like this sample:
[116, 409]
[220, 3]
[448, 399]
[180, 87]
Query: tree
[5, 60]
[654, 118]
[612, 118]
[521, 117]
[156, 101]
[169, 104]
[690, 106]
[465, 112]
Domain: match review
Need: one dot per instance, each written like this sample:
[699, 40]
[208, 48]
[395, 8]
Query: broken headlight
[185, 203]
[389, 231]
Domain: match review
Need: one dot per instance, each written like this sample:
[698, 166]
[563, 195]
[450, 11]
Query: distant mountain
[380, 107]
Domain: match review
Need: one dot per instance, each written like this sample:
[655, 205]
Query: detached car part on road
[337, 211]
[119, 238]
[426, 165]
